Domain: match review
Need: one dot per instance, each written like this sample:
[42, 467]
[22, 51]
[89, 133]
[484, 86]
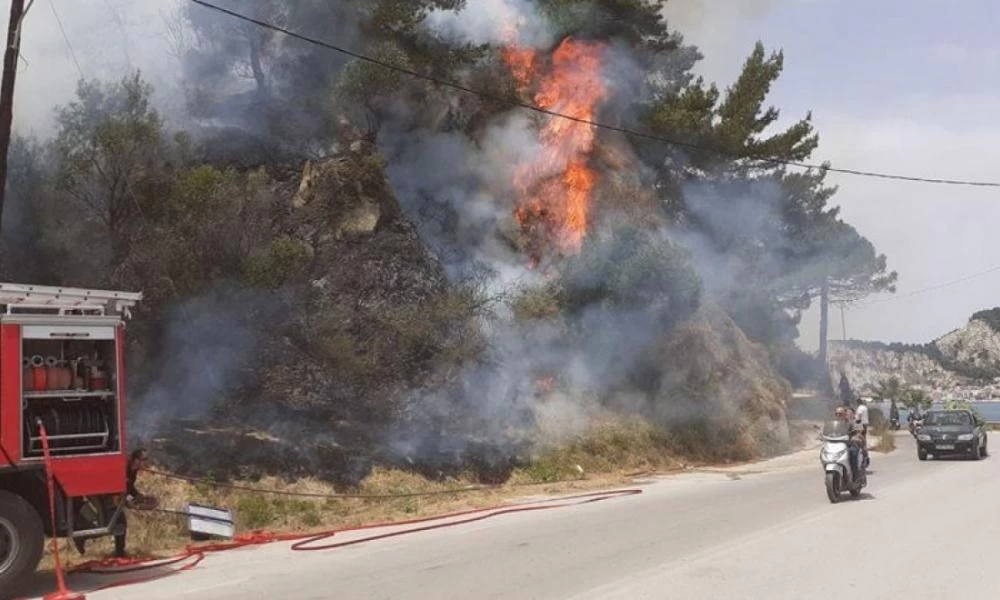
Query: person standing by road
[845, 390]
[861, 417]
[134, 498]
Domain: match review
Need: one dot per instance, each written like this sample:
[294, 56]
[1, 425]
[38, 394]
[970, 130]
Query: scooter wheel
[831, 488]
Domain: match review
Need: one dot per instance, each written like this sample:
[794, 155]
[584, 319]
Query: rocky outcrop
[367, 271]
[867, 364]
[962, 363]
[977, 345]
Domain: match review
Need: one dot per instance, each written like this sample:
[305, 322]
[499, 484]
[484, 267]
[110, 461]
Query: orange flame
[555, 189]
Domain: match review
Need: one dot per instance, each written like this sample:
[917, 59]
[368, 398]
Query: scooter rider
[914, 417]
[855, 442]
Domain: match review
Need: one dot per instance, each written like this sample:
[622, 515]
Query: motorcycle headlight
[923, 437]
[966, 437]
[832, 455]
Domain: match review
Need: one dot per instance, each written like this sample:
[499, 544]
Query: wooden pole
[11, 55]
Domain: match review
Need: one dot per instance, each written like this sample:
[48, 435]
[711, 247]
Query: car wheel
[922, 455]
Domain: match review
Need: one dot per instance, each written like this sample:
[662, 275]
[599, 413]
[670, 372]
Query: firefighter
[133, 497]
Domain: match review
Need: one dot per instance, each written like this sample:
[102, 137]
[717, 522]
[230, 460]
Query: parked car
[950, 433]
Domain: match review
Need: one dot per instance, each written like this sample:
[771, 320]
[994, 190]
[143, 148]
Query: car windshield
[836, 428]
[957, 418]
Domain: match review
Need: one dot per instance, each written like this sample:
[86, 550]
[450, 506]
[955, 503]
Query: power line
[69, 45]
[552, 113]
[931, 288]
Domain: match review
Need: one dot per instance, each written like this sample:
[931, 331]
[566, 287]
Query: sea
[990, 411]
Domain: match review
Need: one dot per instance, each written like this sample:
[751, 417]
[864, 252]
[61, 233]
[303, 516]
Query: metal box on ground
[209, 521]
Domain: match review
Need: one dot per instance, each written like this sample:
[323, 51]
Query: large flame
[555, 187]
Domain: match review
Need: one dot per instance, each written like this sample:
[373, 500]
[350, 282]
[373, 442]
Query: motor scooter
[835, 457]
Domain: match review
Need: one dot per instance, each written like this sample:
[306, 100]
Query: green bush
[272, 269]
[255, 512]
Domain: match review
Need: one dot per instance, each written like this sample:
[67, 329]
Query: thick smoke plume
[202, 357]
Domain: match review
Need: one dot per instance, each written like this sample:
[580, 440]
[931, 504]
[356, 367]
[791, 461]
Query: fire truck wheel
[21, 540]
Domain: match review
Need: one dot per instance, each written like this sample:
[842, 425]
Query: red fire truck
[61, 366]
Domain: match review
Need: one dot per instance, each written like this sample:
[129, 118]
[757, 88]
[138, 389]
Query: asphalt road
[763, 531]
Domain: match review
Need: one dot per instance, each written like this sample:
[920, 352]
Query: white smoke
[724, 32]
[108, 39]
[493, 22]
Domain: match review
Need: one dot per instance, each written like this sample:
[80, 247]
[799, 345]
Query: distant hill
[965, 359]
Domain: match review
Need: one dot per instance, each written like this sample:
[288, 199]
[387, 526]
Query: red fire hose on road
[194, 555]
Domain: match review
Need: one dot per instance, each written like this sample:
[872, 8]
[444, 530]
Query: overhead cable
[624, 130]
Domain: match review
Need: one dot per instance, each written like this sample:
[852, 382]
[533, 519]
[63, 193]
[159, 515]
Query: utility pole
[825, 385]
[824, 323]
[843, 323]
[12, 53]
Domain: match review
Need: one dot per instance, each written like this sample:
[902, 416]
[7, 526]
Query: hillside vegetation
[348, 269]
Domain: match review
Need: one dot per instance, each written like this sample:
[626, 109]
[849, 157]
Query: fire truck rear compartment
[75, 397]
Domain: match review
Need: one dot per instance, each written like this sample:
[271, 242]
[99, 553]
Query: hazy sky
[904, 86]
[897, 85]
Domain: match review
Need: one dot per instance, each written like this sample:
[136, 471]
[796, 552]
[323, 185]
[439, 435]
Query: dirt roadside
[159, 535]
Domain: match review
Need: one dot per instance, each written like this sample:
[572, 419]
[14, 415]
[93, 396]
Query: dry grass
[611, 453]
[886, 438]
[157, 534]
[609, 446]
[886, 443]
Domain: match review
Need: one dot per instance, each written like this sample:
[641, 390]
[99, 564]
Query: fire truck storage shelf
[68, 395]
